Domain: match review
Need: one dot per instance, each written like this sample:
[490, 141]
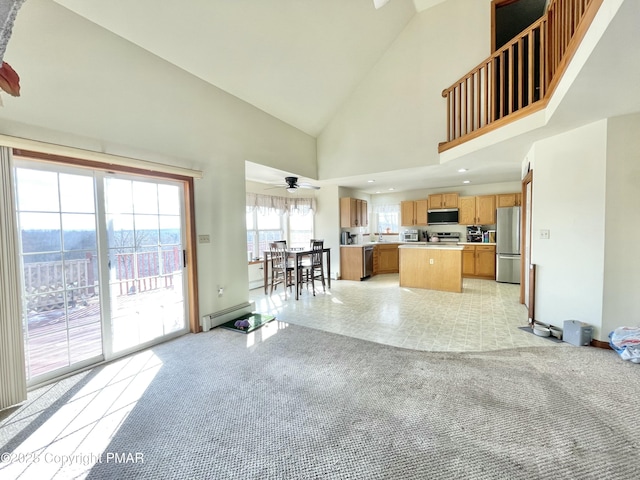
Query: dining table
[297, 255]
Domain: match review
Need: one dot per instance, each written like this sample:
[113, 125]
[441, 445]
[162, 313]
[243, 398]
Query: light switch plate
[204, 239]
[545, 234]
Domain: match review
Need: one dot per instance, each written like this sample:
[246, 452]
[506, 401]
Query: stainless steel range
[448, 237]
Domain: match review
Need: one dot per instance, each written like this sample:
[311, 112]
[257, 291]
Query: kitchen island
[435, 267]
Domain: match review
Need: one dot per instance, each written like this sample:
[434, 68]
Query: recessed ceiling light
[370, 181]
[378, 191]
[467, 181]
[391, 189]
[462, 170]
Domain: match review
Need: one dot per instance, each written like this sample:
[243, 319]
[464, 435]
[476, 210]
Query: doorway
[527, 280]
[102, 258]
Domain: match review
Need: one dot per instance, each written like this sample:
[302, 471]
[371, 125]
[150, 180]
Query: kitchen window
[387, 218]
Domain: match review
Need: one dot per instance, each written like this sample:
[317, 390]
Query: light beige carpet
[289, 402]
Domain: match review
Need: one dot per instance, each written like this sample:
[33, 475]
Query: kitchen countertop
[477, 243]
[435, 246]
[428, 244]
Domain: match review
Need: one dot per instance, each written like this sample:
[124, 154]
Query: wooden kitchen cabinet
[486, 210]
[413, 212]
[468, 261]
[421, 212]
[479, 261]
[486, 261]
[353, 213]
[508, 200]
[467, 210]
[407, 213]
[443, 200]
[351, 263]
[431, 268]
[479, 210]
[387, 255]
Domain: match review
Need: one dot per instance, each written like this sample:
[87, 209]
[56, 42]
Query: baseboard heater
[214, 319]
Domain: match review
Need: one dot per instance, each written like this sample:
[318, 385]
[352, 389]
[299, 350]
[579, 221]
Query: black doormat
[248, 322]
[550, 337]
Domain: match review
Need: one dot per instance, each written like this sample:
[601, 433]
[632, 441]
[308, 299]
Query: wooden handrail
[520, 76]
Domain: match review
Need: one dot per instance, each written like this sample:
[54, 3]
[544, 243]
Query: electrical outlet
[204, 239]
[545, 234]
[220, 291]
[431, 261]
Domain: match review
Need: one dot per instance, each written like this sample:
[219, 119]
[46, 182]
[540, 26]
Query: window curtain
[13, 381]
[281, 205]
[384, 211]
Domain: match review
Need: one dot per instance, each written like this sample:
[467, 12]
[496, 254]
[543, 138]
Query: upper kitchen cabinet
[413, 212]
[443, 200]
[353, 213]
[486, 210]
[479, 210]
[508, 200]
[467, 210]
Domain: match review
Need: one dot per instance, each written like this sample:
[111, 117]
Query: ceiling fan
[292, 185]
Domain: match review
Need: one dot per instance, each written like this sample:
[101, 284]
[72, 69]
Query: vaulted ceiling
[300, 60]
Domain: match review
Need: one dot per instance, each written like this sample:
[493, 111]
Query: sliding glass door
[144, 247]
[61, 287]
[102, 264]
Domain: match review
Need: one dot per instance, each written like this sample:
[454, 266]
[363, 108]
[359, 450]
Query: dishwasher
[367, 261]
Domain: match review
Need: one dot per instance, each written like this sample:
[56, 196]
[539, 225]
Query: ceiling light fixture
[467, 181]
[462, 170]
[371, 181]
[292, 190]
[391, 189]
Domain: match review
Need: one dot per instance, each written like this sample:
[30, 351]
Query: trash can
[577, 333]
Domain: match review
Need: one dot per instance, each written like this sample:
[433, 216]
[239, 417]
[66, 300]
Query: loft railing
[517, 79]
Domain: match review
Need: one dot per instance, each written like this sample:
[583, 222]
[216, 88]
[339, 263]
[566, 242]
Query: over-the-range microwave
[442, 216]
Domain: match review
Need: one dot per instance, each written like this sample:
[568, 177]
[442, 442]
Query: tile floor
[486, 316]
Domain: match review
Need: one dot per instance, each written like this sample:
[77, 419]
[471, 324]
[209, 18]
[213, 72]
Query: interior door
[525, 277]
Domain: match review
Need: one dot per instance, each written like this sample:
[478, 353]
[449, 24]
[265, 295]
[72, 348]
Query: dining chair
[313, 268]
[281, 269]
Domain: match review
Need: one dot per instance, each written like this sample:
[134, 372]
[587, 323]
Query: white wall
[397, 115]
[622, 225]
[327, 223]
[569, 178]
[111, 96]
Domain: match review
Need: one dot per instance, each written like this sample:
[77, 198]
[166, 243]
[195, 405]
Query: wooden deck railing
[46, 282]
[517, 79]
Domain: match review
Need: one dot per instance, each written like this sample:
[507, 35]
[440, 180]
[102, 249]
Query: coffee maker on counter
[347, 238]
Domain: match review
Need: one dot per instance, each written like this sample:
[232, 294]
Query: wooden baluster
[476, 100]
[487, 95]
[456, 126]
[502, 80]
[448, 96]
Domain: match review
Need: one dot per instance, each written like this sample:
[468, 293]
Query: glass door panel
[61, 303]
[144, 237]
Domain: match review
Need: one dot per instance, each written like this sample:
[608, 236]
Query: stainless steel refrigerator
[508, 245]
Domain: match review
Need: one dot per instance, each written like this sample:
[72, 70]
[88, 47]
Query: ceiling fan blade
[308, 185]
